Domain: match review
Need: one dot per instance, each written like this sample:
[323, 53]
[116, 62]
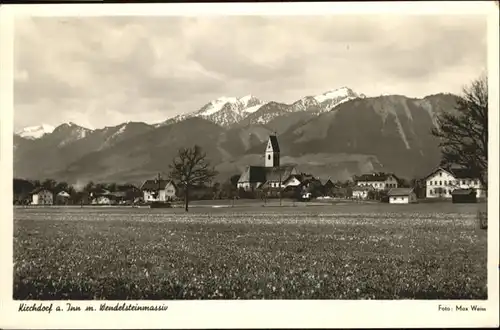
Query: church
[272, 174]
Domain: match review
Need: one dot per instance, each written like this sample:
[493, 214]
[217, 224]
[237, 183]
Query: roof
[274, 143]
[293, 176]
[155, 185]
[253, 174]
[126, 187]
[463, 192]
[263, 174]
[374, 177]
[39, 189]
[400, 191]
[325, 182]
[115, 194]
[280, 173]
[457, 173]
[461, 173]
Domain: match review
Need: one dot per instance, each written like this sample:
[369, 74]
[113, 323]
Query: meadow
[379, 251]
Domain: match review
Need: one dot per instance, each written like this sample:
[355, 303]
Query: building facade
[159, 190]
[361, 192]
[402, 196]
[443, 181]
[379, 181]
[42, 197]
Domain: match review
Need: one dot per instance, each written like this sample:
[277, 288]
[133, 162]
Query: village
[271, 180]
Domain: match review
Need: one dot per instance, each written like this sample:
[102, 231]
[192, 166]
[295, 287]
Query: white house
[402, 196]
[441, 182]
[42, 196]
[379, 181]
[158, 190]
[361, 192]
[272, 174]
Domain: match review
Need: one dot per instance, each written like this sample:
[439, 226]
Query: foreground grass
[296, 255]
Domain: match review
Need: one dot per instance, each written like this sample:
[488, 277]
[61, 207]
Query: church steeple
[272, 152]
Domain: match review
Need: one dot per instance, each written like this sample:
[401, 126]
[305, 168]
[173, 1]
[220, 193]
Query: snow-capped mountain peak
[223, 110]
[216, 105]
[335, 97]
[35, 132]
[247, 99]
[70, 132]
[226, 111]
[342, 92]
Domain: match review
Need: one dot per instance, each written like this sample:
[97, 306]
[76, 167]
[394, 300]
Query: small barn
[62, 198]
[402, 196]
[464, 196]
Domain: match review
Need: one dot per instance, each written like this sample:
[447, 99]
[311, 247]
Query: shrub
[482, 219]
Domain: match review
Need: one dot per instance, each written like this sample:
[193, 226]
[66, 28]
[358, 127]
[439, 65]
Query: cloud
[101, 71]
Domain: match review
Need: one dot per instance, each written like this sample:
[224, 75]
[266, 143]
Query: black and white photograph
[251, 156]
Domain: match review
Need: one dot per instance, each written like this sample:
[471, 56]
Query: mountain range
[334, 135]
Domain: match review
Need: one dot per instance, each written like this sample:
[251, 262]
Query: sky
[103, 71]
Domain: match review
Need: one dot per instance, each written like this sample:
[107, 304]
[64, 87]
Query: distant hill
[358, 134]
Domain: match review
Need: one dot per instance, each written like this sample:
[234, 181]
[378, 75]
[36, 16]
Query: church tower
[272, 152]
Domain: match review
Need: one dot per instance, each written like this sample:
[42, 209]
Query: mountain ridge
[389, 133]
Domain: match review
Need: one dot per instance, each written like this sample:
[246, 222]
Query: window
[440, 183]
[268, 157]
[463, 181]
[440, 173]
[476, 182]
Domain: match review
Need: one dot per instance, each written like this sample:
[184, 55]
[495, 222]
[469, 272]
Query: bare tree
[189, 168]
[464, 133]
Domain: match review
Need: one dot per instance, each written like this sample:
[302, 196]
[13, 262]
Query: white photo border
[247, 314]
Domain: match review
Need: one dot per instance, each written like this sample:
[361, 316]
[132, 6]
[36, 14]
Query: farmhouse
[402, 196]
[441, 182]
[158, 190]
[379, 181]
[361, 192]
[272, 173]
[42, 196]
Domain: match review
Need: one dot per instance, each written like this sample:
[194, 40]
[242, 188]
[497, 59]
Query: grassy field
[380, 251]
